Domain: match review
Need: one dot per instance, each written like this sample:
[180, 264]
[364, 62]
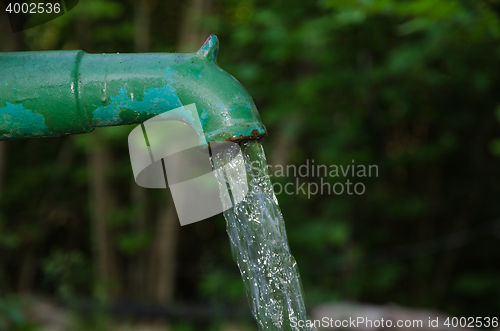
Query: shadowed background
[409, 86]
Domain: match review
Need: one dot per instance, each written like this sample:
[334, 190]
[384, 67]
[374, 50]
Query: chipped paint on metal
[187, 114]
[204, 117]
[25, 121]
[210, 48]
[250, 132]
[153, 102]
[224, 108]
[195, 75]
[169, 73]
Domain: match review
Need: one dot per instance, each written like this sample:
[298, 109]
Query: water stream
[258, 239]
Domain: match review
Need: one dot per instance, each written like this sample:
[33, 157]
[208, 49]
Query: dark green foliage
[409, 86]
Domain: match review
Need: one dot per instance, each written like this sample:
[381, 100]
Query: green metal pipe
[56, 93]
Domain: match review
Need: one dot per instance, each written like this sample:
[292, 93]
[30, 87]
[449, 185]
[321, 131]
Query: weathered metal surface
[55, 93]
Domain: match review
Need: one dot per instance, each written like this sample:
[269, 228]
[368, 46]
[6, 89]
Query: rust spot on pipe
[254, 135]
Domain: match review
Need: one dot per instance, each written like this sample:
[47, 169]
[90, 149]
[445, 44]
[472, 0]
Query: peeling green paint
[128, 115]
[204, 117]
[210, 48]
[248, 132]
[23, 120]
[152, 102]
[223, 107]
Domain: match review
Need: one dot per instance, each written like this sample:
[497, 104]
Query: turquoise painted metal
[56, 93]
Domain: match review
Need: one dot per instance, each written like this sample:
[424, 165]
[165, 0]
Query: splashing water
[258, 239]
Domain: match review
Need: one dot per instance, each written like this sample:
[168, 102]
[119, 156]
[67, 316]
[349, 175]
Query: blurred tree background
[410, 86]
